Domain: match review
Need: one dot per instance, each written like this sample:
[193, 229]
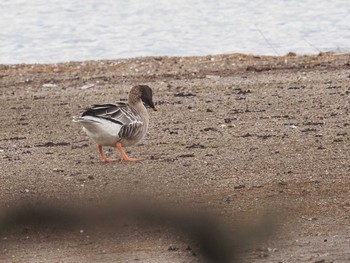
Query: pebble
[271, 249]
[212, 76]
[49, 85]
[172, 248]
[87, 86]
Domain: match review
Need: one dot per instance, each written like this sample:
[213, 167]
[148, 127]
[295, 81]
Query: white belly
[103, 132]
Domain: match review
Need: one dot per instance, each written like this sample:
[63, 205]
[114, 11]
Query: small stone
[87, 86]
[49, 85]
[212, 76]
[291, 54]
[209, 129]
[186, 155]
[271, 249]
[196, 145]
[172, 248]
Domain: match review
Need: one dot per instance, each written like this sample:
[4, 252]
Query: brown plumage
[121, 124]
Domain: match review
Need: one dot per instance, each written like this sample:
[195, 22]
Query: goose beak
[153, 106]
[150, 105]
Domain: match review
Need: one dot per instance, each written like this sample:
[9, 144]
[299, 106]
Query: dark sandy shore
[236, 135]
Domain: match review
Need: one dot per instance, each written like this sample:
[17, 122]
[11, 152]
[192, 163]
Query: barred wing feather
[121, 113]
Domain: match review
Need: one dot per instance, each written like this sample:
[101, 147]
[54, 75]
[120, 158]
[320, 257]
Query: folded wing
[121, 113]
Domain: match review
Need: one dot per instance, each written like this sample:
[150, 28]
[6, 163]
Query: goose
[119, 125]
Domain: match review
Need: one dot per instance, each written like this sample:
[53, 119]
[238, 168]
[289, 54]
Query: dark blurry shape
[215, 239]
[37, 217]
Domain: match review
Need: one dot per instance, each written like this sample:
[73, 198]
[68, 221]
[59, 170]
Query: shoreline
[248, 55]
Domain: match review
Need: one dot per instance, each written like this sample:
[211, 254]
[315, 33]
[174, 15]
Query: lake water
[49, 31]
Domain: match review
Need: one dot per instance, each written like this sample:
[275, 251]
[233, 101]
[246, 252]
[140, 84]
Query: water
[49, 31]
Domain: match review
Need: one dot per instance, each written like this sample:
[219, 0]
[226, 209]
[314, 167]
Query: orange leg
[124, 156]
[103, 156]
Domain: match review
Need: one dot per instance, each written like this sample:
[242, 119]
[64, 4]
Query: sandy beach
[236, 135]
